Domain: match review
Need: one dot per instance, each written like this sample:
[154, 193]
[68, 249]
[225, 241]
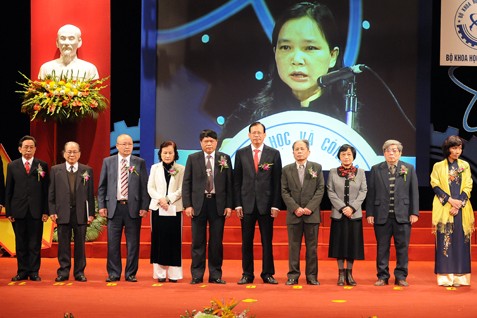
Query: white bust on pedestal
[68, 64]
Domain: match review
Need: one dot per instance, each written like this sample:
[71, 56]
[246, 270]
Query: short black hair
[26, 137]
[167, 144]
[256, 123]
[344, 148]
[208, 133]
[450, 142]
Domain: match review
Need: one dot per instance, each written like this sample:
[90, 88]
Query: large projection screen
[212, 56]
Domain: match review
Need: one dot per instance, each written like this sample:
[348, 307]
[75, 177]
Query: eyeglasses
[125, 144]
[395, 150]
[69, 153]
[28, 147]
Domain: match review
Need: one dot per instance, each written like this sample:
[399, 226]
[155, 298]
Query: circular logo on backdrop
[465, 23]
[325, 134]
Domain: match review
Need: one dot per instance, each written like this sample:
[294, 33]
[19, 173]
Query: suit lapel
[295, 177]
[384, 174]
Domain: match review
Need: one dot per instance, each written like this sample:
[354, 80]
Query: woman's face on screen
[302, 55]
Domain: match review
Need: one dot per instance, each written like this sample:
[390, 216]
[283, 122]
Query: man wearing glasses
[124, 200]
[392, 206]
[71, 206]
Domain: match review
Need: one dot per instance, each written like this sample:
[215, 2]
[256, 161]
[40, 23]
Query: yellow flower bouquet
[62, 98]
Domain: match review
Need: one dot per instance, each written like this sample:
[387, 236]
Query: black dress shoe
[196, 280]
[172, 280]
[312, 281]
[18, 278]
[131, 278]
[291, 281]
[217, 281]
[245, 280]
[61, 278]
[35, 278]
[111, 279]
[161, 280]
[80, 278]
[270, 280]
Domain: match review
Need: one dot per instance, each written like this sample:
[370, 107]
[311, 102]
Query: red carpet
[147, 298]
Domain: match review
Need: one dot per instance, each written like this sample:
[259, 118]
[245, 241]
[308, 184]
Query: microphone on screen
[341, 74]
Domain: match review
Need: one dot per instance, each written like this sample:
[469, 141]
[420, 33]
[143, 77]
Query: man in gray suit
[257, 173]
[303, 187]
[207, 198]
[124, 200]
[392, 206]
[71, 206]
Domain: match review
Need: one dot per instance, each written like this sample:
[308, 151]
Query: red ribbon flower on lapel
[403, 172]
[85, 175]
[265, 166]
[223, 163]
[41, 172]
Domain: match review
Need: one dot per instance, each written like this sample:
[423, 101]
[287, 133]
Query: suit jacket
[138, 198]
[357, 193]
[263, 187]
[195, 179]
[24, 191]
[307, 196]
[59, 194]
[406, 193]
[157, 186]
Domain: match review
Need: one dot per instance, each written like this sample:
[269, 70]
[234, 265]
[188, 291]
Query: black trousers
[132, 228]
[64, 246]
[208, 214]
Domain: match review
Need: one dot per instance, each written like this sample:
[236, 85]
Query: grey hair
[305, 141]
[391, 142]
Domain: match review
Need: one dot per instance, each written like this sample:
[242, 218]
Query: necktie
[27, 167]
[392, 169]
[210, 178]
[124, 179]
[72, 169]
[255, 159]
[301, 173]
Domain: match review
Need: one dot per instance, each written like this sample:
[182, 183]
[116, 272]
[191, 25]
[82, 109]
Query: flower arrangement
[313, 173]
[403, 172]
[85, 175]
[223, 163]
[265, 166]
[173, 171]
[218, 309]
[63, 97]
[41, 173]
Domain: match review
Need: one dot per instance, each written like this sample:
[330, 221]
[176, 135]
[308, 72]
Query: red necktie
[255, 159]
[27, 167]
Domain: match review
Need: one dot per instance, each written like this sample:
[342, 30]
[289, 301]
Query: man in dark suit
[303, 187]
[124, 200]
[26, 206]
[71, 205]
[207, 197]
[257, 174]
[392, 206]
